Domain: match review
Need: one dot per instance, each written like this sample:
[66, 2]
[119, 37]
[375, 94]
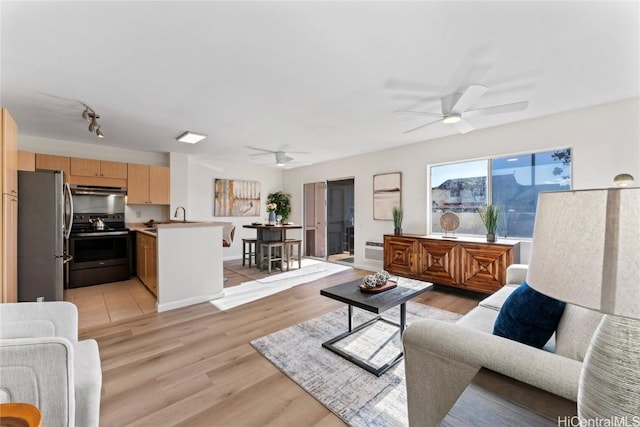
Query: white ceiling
[318, 77]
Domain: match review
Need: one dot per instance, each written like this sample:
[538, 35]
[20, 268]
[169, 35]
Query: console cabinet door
[484, 266]
[400, 255]
[438, 262]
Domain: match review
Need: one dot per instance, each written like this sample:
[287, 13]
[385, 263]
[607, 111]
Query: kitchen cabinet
[26, 161]
[97, 172]
[146, 261]
[470, 264]
[9, 220]
[98, 168]
[148, 184]
[54, 163]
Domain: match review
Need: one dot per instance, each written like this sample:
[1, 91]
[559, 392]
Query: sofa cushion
[575, 330]
[529, 317]
[495, 301]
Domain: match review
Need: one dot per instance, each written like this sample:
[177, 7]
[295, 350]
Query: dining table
[272, 233]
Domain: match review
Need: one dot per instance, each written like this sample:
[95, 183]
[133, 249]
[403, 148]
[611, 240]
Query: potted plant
[282, 201]
[271, 210]
[489, 217]
[397, 220]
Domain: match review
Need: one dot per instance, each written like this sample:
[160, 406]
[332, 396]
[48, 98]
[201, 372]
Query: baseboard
[189, 301]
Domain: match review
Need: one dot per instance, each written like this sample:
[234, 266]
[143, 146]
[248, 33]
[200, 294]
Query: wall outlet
[138, 214]
[40, 299]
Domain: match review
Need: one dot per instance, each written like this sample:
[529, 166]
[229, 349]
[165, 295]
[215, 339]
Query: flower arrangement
[282, 201]
[271, 207]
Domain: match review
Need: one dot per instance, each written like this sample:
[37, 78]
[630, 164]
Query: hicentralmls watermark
[574, 421]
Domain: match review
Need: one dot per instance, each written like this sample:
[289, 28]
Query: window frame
[489, 191]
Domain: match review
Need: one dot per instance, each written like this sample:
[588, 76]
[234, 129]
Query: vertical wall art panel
[232, 197]
[387, 193]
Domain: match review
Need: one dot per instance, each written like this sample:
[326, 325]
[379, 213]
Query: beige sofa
[43, 363]
[442, 358]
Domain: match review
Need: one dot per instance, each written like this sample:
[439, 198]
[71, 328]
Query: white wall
[605, 141]
[196, 192]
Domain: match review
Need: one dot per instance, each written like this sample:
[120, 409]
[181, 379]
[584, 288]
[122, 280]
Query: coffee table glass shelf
[376, 344]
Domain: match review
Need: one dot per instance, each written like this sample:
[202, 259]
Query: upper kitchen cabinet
[98, 172]
[148, 185]
[9, 216]
[26, 161]
[54, 163]
[98, 168]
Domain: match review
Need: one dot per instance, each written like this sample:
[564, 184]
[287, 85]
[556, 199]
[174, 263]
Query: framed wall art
[387, 193]
[232, 197]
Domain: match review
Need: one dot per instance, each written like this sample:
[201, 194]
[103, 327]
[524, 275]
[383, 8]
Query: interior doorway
[329, 220]
[340, 220]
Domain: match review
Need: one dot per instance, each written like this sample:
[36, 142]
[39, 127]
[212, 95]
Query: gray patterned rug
[353, 394]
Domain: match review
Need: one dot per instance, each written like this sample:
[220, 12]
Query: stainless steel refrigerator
[43, 211]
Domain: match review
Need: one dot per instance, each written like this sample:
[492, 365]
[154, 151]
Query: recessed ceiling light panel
[191, 137]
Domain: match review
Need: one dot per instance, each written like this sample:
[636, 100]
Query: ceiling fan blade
[420, 113]
[463, 126]
[421, 126]
[468, 98]
[264, 150]
[497, 109]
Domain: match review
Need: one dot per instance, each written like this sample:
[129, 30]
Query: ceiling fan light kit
[92, 117]
[455, 108]
[191, 137]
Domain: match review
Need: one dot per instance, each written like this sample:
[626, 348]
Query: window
[511, 182]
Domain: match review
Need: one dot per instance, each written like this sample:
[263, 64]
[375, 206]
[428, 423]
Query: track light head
[90, 115]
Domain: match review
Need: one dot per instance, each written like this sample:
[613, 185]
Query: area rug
[358, 397]
[254, 290]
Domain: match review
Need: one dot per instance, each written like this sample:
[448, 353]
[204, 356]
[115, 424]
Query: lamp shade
[586, 249]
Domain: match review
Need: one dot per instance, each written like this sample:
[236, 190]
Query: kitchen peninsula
[188, 262]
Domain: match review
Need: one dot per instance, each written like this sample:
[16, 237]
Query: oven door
[99, 257]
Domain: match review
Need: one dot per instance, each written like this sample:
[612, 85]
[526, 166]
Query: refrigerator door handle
[67, 259]
[69, 223]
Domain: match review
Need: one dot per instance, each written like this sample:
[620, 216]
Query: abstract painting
[387, 191]
[232, 197]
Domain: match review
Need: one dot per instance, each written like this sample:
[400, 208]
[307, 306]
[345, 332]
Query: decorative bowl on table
[378, 282]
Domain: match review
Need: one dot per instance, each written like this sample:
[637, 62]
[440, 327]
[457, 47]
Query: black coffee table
[350, 294]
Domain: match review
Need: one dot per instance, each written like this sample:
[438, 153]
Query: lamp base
[610, 380]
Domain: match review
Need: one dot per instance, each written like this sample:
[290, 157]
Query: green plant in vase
[282, 201]
[489, 217]
[397, 220]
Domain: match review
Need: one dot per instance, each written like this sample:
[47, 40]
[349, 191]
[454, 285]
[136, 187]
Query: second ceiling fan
[454, 109]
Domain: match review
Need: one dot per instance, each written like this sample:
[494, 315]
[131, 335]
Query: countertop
[141, 228]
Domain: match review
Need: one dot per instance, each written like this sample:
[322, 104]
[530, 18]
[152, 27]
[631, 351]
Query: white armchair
[43, 363]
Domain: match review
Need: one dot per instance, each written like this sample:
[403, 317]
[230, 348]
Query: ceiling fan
[282, 157]
[454, 109]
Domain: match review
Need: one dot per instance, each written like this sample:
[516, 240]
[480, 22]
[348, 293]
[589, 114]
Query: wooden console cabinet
[471, 264]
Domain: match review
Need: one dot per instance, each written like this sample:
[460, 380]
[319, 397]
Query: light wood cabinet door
[483, 267]
[146, 261]
[9, 249]
[137, 184]
[113, 169]
[84, 167]
[9, 154]
[159, 184]
[26, 161]
[54, 163]
[148, 184]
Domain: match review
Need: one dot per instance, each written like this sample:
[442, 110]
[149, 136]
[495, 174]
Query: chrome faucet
[184, 213]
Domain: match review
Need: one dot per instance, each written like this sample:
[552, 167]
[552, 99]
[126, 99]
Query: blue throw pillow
[529, 317]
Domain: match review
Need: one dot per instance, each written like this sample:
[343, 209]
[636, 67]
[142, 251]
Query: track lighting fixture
[89, 115]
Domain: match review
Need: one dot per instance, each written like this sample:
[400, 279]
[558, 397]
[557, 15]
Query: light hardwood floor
[195, 367]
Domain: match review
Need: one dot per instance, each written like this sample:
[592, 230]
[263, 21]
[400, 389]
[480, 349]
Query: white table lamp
[586, 251]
